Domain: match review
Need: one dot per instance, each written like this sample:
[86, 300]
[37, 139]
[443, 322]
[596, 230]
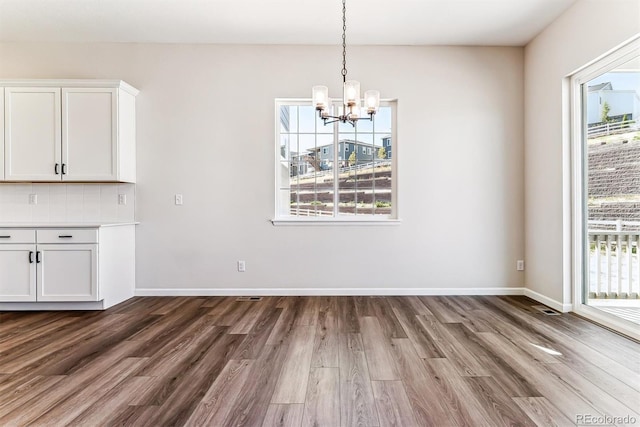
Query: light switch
[178, 199]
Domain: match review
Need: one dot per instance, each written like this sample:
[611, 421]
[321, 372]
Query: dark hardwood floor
[315, 361]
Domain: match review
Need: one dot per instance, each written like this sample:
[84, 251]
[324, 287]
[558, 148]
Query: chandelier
[351, 110]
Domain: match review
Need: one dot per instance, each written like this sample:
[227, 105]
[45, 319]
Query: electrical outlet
[520, 265]
[33, 199]
[122, 199]
[178, 199]
[242, 266]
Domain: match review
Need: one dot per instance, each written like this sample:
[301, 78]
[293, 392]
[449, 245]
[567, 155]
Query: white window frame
[574, 217]
[392, 219]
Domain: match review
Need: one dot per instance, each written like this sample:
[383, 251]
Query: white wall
[206, 114]
[585, 31]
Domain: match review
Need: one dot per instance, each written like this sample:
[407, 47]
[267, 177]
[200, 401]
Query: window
[337, 184]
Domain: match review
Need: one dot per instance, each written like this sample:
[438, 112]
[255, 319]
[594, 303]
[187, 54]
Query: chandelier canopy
[351, 110]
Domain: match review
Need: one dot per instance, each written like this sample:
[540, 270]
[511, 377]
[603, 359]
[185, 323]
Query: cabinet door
[67, 273]
[32, 134]
[17, 273]
[89, 134]
[2, 134]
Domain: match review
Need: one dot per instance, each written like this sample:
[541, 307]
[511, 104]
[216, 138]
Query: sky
[619, 80]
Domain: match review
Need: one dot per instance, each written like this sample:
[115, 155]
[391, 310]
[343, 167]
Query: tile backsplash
[67, 202]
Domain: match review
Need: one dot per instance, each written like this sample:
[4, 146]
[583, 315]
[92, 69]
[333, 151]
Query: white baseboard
[556, 305]
[325, 291]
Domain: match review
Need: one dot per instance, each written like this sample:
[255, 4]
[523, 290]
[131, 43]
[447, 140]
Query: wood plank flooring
[314, 361]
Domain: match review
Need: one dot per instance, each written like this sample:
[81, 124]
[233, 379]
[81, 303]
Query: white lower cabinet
[55, 266]
[17, 272]
[48, 271]
[67, 272]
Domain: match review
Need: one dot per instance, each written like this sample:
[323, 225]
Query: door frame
[578, 229]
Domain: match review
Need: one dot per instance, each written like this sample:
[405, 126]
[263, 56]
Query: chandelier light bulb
[320, 96]
[351, 93]
[372, 100]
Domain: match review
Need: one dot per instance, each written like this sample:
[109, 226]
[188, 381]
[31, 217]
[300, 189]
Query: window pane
[382, 120]
[346, 128]
[325, 153]
[321, 127]
[365, 138]
[284, 146]
[284, 175]
[382, 187]
[356, 184]
[284, 202]
[292, 142]
[307, 119]
[612, 175]
[364, 125]
[384, 142]
[288, 118]
[294, 196]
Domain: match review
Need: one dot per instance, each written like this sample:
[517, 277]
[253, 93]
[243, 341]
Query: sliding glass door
[607, 212]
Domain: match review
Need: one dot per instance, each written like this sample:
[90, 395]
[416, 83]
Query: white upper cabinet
[81, 131]
[1, 133]
[32, 133]
[89, 134]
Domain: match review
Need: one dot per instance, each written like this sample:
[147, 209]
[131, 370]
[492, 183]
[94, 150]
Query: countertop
[63, 224]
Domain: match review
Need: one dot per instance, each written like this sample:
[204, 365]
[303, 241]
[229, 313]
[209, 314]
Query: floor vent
[249, 299]
[546, 310]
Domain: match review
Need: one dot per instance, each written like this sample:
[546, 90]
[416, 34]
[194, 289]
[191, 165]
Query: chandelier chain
[344, 40]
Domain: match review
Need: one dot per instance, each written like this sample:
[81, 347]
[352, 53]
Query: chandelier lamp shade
[352, 109]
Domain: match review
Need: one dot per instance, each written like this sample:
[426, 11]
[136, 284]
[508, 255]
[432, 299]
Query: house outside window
[386, 143]
[334, 179]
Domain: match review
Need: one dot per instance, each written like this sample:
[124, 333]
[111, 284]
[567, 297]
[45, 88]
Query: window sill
[286, 222]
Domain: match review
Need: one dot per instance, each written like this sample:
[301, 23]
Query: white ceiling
[386, 22]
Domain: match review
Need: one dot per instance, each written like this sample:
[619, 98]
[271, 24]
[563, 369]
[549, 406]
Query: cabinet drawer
[68, 235]
[9, 235]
